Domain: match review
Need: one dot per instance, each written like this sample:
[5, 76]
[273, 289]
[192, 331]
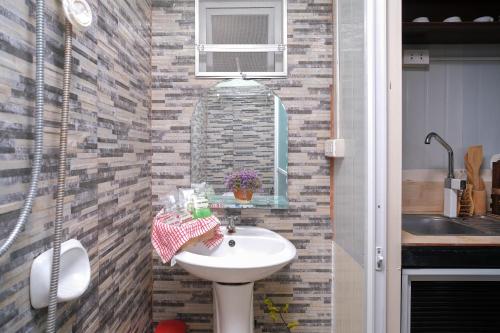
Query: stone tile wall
[306, 284]
[108, 202]
[109, 189]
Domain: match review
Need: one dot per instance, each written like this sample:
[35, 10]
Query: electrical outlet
[416, 58]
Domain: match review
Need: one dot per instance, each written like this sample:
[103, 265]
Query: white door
[360, 176]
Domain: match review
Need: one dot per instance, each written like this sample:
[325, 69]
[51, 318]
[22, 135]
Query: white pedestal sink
[248, 255]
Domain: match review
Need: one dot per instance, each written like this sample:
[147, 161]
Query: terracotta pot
[243, 196]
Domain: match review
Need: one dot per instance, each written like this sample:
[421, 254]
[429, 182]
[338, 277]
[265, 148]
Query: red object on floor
[171, 326]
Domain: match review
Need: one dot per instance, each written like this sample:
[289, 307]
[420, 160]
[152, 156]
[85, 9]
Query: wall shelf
[438, 32]
[451, 33]
[258, 201]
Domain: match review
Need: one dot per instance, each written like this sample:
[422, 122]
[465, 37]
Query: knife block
[495, 191]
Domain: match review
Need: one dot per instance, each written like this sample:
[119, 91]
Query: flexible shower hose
[38, 155]
[61, 182]
[38, 147]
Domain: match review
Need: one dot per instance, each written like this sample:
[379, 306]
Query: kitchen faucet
[452, 185]
[429, 137]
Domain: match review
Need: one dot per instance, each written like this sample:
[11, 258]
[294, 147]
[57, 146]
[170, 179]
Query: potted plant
[243, 184]
[275, 311]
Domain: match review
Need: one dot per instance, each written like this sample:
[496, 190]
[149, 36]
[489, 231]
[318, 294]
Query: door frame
[384, 47]
[384, 111]
[394, 163]
[377, 134]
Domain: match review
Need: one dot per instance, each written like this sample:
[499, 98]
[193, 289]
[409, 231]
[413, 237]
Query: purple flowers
[245, 179]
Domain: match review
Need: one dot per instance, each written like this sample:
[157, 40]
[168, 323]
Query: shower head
[78, 12]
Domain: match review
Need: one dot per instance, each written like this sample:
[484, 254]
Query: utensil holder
[495, 204]
[479, 198]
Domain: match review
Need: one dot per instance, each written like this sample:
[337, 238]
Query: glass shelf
[258, 201]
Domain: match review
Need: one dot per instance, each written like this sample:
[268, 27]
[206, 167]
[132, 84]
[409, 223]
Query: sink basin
[248, 255]
[436, 225]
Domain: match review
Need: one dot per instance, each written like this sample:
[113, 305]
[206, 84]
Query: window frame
[261, 5]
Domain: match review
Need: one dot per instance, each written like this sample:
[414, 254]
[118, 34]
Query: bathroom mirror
[241, 125]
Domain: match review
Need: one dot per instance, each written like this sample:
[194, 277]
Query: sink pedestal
[233, 307]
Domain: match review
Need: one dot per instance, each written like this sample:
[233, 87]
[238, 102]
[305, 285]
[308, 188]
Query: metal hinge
[200, 47]
[379, 258]
[281, 47]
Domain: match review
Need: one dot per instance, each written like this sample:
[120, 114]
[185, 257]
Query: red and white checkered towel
[168, 238]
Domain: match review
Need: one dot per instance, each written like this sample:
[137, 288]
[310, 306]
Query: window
[237, 38]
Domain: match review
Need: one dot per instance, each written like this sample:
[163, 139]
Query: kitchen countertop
[454, 251]
[408, 239]
[489, 225]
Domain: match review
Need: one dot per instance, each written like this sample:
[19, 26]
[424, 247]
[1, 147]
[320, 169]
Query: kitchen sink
[437, 225]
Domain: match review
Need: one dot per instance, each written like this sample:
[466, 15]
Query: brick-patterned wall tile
[306, 283]
[108, 200]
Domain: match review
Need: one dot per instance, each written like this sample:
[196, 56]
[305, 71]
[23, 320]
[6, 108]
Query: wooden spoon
[475, 159]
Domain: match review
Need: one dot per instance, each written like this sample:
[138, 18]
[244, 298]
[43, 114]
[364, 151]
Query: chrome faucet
[451, 162]
[231, 223]
[451, 184]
